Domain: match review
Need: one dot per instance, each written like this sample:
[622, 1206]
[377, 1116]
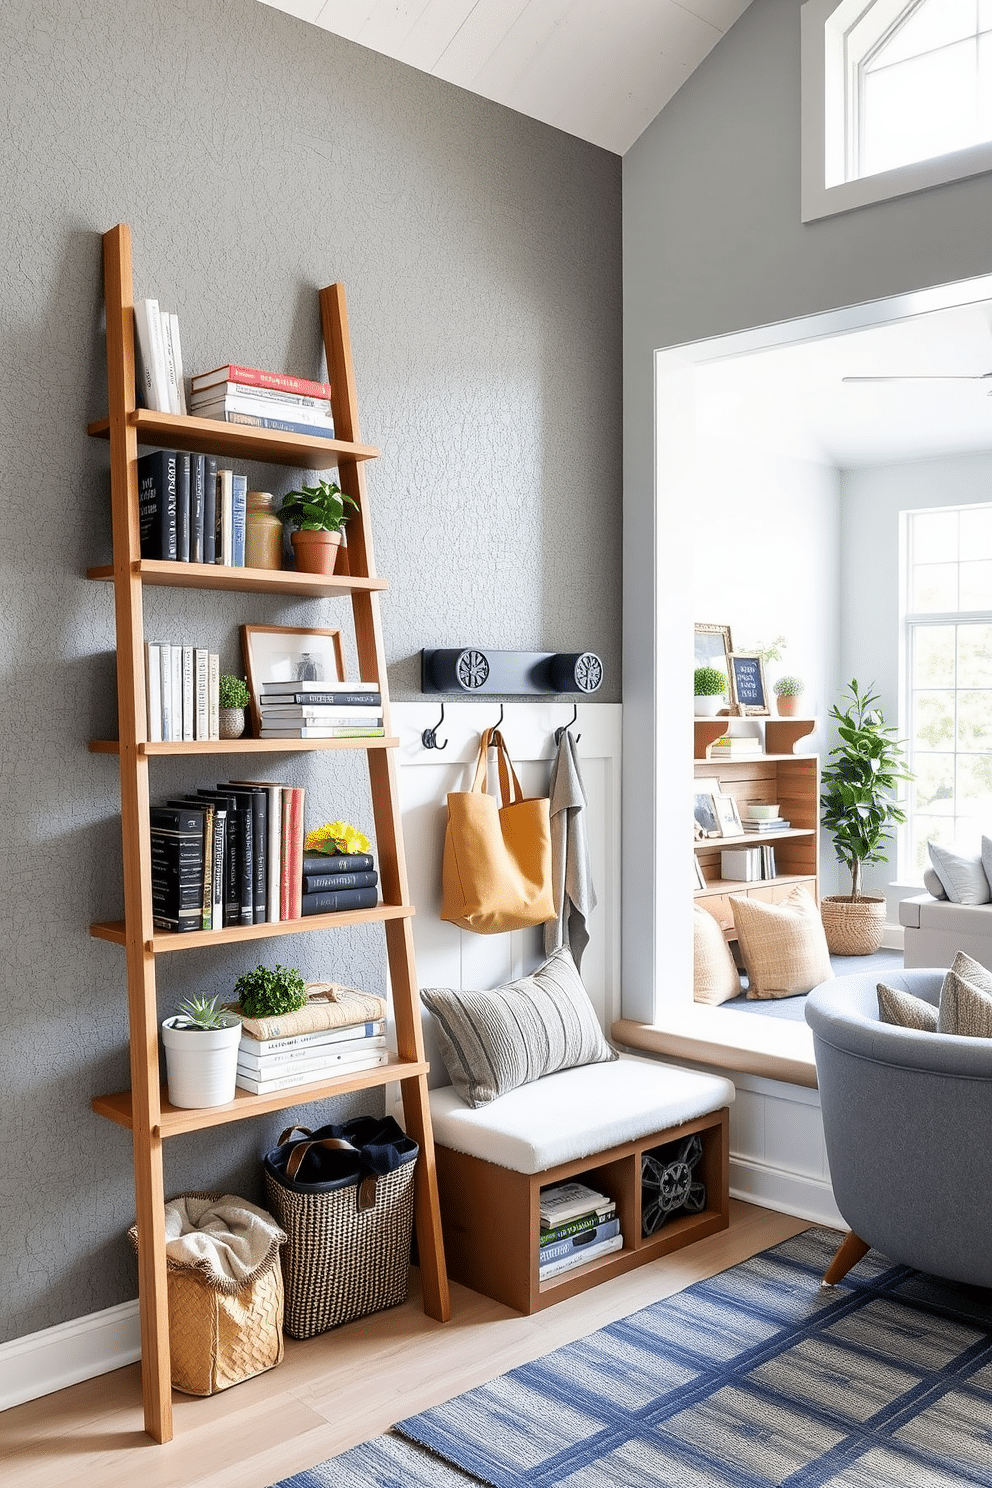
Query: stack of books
[182, 692]
[735, 746]
[320, 710]
[189, 511]
[159, 382]
[340, 1029]
[577, 1224]
[263, 400]
[338, 882]
[769, 824]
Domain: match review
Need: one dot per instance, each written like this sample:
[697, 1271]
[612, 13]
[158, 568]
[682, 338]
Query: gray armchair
[907, 1118]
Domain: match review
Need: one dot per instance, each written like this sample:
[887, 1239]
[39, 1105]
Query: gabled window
[896, 97]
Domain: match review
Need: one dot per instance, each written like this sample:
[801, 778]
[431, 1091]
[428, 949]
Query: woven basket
[853, 927]
[342, 1260]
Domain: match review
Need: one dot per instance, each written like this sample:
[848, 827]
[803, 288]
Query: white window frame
[826, 113]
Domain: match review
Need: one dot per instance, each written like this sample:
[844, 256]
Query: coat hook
[429, 736]
[561, 732]
[499, 719]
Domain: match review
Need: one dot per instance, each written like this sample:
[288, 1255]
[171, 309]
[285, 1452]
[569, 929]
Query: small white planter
[709, 706]
[201, 1063]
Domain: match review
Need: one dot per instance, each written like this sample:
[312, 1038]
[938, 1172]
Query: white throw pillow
[933, 885]
[961, 874]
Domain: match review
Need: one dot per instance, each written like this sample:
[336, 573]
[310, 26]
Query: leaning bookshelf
[144, 1109]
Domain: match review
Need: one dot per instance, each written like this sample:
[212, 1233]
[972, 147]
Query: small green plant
[203, 1013]
[788, 687]
[708, 682]
[233, 692]
[266, 992]
[319, 508]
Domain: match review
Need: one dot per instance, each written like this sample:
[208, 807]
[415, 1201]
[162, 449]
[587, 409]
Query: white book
[153, 690]
[239, 403]
[177, 356]
[329, 717]
[172, 386]
[165, 650]
[333, 686]
[284, 1082]
[189, 696]
[320, 732]
[176, 653]
[201, 689]
[262, 1047]
[225, 516]
[563, 1201]
[213, 694]
[296, 1061]
[218, 390]
[581, 1257]
[148, 326]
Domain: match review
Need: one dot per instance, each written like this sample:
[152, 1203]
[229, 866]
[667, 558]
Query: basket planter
[853, 927]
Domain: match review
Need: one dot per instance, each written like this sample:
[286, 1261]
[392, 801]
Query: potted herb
[233, 700]
[788, 691]
[709, 688]
[201, 1053]
[859, 810]
[266, 992]
[318, 516]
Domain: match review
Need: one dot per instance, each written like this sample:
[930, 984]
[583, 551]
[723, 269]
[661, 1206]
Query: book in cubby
[578, 1224]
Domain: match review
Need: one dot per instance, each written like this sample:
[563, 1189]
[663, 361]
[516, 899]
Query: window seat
[711, 1037]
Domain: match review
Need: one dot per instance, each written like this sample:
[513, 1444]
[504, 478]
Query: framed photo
[699, 881]
[281, 653]
[704, 812]
[747, 683]
[727, 815]
[713, 647]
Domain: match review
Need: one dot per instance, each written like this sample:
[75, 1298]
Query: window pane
[976, 586]
[933, 721]
[935, 588]
[974, 720]
[984, 15]
[935, 24]
[920, 108]
[934, 649]
[976, 522]
[935, 537]
[974, 798]
[975, 657]
[933, 789]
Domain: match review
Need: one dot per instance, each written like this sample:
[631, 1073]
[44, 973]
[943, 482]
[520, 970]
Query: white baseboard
[56, 1357]
[786, 1193]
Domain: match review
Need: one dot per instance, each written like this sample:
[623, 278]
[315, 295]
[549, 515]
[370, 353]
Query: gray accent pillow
[491, 1042]
[966, 999]
[961, 874]
[933, 885]
[904, 1010]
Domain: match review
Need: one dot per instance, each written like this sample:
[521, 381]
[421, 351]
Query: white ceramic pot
[709, 706]
[201, 1063]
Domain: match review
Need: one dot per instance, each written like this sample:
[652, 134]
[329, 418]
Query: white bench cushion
[576, 1112]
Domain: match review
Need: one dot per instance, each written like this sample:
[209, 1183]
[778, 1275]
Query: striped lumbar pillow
[491, 1042]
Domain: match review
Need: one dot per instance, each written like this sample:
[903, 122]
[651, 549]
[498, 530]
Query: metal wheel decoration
[588, 672]
[667, 1183]
[472, 670]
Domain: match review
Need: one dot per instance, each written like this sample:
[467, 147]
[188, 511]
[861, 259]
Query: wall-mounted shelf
[467, 670]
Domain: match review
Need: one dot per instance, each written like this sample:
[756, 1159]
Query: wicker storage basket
[221, 1333]
[344, 1196]
[853, 927]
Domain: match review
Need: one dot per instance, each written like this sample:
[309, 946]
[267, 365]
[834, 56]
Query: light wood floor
[332, 1392]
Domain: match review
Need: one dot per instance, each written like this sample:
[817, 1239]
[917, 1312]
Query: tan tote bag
[496, 872]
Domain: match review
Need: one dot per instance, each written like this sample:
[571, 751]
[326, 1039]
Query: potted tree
[318, 516]
[233, 700]
[859, 810]
[788, 691]
[201, 1053]
[709, 687]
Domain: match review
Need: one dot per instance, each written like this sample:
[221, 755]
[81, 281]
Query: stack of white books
[271, 1064]
[320, 710]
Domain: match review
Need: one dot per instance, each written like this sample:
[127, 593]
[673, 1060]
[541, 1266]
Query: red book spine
[278, 380]
[291, 889]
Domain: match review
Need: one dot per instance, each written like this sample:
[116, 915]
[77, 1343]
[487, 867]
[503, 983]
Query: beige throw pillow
[966, 999]
[904, 1010]
[783, 944]
[715, 978]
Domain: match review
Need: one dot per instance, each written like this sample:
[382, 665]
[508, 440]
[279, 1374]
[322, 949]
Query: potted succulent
[201, 1053]
[318, 516]
[709, 688]
[859, 810]
[234, 699]
[788, 691]
[266, 992]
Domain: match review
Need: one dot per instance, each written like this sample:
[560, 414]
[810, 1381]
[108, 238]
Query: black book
[182, 506]
[314, 882]
[197, 464]
[177, 867]
[337, 863]
[234, 911]
[256, 802]
[330, 901]
[157, 504]
[209, 508]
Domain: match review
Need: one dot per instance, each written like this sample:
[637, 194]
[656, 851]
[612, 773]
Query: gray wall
[713, 243]
[255, 159]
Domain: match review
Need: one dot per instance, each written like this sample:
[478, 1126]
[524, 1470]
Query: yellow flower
[337, 837]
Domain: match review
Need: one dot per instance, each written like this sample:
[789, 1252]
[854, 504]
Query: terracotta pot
[316, 552]
[853, 927]
[788, 704]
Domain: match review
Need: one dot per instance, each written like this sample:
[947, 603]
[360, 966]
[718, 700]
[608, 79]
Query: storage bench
[593, 1124]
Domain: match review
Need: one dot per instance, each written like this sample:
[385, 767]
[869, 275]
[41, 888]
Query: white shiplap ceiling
[598, 69]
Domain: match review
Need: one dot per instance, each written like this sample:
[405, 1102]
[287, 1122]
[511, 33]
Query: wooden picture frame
[284, 653]
[747, 684]
[728, 815]
[713, 647]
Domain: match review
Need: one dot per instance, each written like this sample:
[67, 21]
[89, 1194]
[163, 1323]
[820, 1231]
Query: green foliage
[233, 692]
[319, 508]
[203, 1013]
[708, 682]
[788, 687]
[263, 993]
[859, 783]
[772, 652]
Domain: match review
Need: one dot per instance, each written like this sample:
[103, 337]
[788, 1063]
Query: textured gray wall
[255, 159]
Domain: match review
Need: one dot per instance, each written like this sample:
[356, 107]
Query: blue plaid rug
[752, 1378]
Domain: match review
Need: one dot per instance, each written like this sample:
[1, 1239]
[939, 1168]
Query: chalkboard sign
[747, 683]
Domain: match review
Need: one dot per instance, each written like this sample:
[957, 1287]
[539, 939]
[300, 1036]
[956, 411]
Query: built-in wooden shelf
[170, 574]
[236, 441]
[177, 1119]
[116, 931]
[244, 745]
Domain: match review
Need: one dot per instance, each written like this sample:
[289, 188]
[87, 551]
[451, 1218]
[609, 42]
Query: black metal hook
[561, 732]
[499, 719]
[429, 736]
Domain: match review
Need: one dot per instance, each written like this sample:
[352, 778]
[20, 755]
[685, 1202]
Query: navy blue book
[182, 506]
[239, 516]
[337, 863]
[331, 901]
[314, 882]
[157, 504]
[210, 508]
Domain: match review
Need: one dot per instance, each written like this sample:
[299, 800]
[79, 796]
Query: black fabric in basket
[348, 1215]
